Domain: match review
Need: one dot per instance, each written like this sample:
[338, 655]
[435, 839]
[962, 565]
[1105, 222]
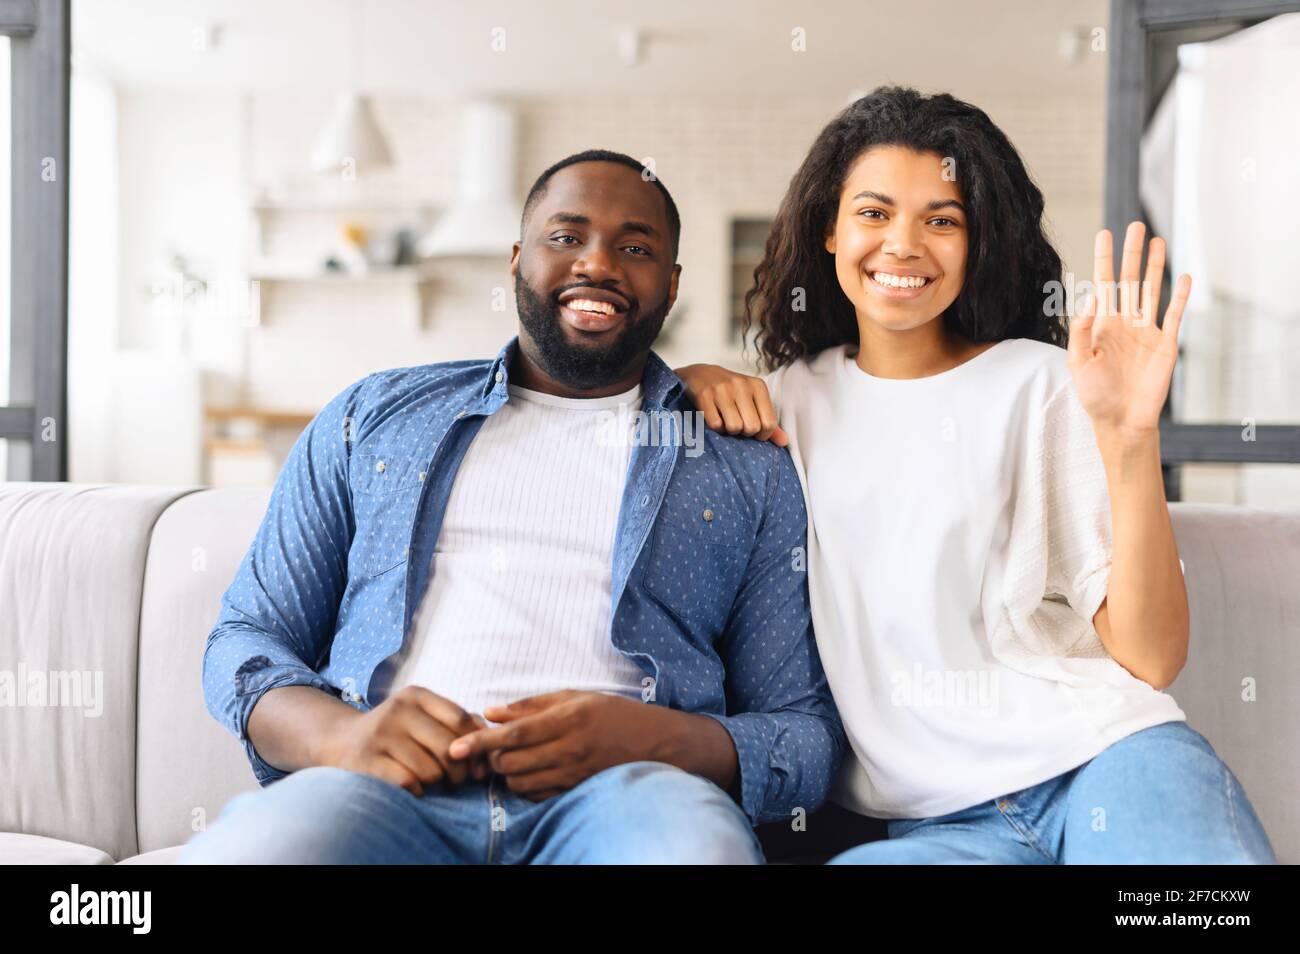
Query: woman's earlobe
[830, 242]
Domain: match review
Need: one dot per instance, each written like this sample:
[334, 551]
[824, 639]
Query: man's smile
[593, 310]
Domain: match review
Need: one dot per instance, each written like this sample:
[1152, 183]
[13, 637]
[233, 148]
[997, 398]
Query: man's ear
[672, 286]
[514, 261]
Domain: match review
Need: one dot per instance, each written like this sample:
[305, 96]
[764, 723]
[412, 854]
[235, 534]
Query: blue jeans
[1158, 796]
[638, 813]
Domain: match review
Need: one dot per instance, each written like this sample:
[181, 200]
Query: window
[748, 239]
[1207, 168]
[4, 247]
[34, 242]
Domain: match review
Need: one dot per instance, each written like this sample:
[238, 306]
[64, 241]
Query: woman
[995, 585]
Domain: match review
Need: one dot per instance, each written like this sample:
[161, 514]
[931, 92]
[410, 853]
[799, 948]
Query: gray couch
[114, 588]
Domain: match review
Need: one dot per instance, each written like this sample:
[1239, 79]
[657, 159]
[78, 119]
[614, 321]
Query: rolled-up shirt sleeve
[1076, 506]
[277, 616]
[781, 717]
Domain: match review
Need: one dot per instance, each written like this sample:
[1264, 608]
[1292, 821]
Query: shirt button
[1003, 805]
[422, 473]
[460, 414]
[380, 467]
[500, 377]
[356, 697]
[708, 516]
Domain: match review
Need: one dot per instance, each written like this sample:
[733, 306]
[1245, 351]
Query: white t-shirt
[951, 519]
[518, 601]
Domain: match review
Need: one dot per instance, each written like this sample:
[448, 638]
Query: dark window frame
[1131, 96]
[39, 56]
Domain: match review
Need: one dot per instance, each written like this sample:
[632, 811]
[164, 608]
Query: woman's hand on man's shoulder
[733, 403]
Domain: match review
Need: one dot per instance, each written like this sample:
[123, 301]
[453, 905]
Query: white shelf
[397, 274]
[417, 280]
[350, 207]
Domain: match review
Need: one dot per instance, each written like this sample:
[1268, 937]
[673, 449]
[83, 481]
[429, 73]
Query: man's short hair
[538, 191]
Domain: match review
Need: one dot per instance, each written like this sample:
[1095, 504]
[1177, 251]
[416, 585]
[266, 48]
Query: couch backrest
[188, 766]
[127, 581]
[1239, 687]
[72, 560]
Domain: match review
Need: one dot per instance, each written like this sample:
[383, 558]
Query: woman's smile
[899, 285]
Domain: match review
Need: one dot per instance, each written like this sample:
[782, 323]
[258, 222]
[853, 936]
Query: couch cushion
[1242, 568]
[20, 849]
[163, 856]
[188, 765]
[71, 567]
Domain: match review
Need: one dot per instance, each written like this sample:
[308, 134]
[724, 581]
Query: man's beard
[584, 367]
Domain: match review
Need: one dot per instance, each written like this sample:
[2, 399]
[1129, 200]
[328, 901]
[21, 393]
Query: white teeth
[899, 281]
[587, 304]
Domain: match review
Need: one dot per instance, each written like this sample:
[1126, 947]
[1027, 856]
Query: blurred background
[222, 212]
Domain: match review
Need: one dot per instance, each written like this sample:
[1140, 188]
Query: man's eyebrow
[931, 206]
[641, 228]
[569, 218]
[575, 218]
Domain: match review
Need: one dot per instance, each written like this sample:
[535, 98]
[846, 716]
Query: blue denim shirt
[712, 606]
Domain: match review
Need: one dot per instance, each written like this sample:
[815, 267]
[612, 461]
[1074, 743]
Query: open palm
[1120, 360]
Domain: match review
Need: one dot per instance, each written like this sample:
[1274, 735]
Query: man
[452, 545]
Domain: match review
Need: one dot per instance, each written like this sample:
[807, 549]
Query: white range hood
[484, 219]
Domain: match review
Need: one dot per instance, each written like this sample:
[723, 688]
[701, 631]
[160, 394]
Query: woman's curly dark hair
[1009, 259]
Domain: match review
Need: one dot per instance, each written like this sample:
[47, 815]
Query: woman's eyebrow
[930, 206]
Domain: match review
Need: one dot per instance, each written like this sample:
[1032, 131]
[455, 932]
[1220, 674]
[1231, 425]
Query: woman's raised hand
[733, 403]
[1120, 360]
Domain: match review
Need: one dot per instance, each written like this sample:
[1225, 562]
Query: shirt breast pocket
[385, 494]
[699, 548]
